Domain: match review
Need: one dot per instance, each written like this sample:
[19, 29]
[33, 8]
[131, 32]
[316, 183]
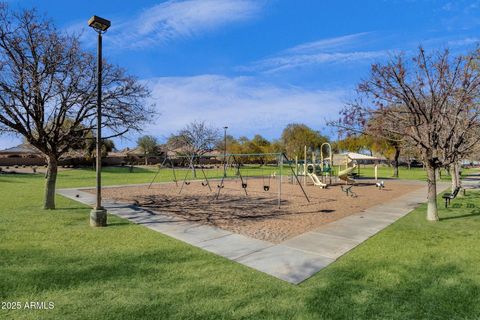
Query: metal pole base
[98, 218]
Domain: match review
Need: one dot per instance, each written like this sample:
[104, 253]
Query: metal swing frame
[192, 167]
[228, 159]
[160, 167]
[281, 157]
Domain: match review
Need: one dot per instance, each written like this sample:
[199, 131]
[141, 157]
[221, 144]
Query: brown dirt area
[257, 215]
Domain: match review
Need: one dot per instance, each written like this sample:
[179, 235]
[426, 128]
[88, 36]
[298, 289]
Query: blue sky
[257, 65]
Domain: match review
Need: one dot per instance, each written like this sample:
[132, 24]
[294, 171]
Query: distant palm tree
[90, 147]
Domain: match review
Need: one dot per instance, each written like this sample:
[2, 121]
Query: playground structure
[251, 211]
[256, 195]
[214, 171]
[256, 177]
[321, 171]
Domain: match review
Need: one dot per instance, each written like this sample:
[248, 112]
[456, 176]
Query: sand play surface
[257, 214]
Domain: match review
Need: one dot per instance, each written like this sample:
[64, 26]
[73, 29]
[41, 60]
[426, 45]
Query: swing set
[243, 169]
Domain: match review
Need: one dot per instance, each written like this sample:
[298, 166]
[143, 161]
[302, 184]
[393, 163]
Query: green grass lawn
[411, 270]
[405, 173]
[122, 175]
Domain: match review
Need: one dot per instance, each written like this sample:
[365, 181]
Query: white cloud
[337, 43]
[282, 63]
[181, 19]
[461, 14]
[244, 104]
[464, 42]
[332, 50]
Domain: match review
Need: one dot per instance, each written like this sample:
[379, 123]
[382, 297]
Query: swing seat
[266, 188]
[204, 184]
[244, 185]
[187, 183]
[220, 187]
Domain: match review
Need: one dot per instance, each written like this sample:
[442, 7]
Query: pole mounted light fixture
[99, 24]
[225, 152]
[98, 216]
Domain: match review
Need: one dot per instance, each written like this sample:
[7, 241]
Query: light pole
[98, 215]
[225, 151]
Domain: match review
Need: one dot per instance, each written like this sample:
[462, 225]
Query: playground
[254, 212]
[263, 196]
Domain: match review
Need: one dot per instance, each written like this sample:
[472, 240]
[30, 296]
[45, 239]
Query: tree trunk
[395, 159]
[432, 210]
[451, 171]
[50, 182]
[194, 170]
[455, 175]
[146, 159]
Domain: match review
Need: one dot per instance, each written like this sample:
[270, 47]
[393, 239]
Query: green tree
[260, 141]
[296, 136]
[231, 144]
[90, 147]
[355, 143]
[148, 145]
[276, 146]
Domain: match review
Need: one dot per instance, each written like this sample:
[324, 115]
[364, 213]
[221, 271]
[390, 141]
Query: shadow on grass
[107, 170]
[18, 177]
[169, 282]
[127, 169]
[118, 224]
[60, 271]
[73, 208]
[474, 213]
[423, 289]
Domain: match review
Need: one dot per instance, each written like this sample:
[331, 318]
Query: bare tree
[358, 123]
[375, 127]
[431, 101]
[196, 139]
[48, 90]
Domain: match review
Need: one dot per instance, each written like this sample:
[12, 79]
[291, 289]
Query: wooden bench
[450, 196]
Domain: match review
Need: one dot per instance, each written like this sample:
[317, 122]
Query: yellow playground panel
[320, 171]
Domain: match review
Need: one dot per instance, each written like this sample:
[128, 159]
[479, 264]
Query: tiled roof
[23, 148]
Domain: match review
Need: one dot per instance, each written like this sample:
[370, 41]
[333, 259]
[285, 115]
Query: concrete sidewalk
[293, 260]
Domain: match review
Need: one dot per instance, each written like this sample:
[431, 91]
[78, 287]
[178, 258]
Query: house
[133, 156]
[23, 154]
